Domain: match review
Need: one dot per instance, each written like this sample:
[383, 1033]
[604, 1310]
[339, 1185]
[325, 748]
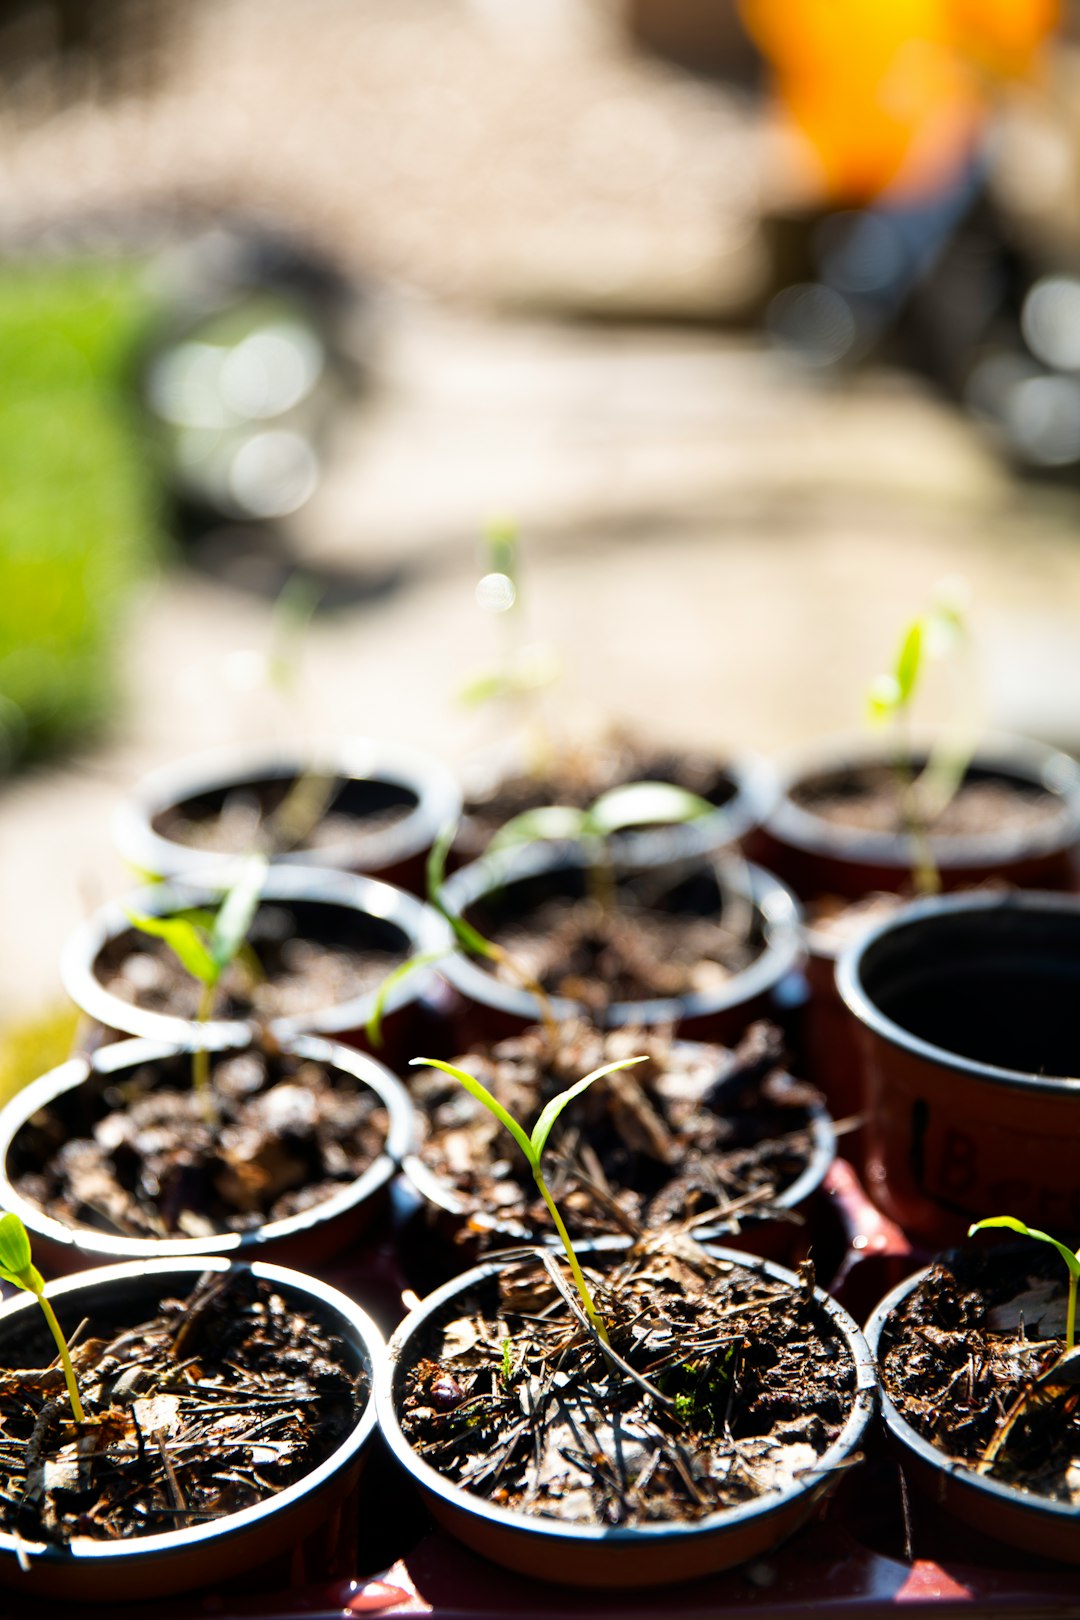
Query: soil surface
[984, 806]
[834, 922]
[135, 1153]
[289, 970]
[289, 813]
[695, 1131]
[210, 1406]
[577, 778]
[663, 936]
[746, 1382]
[967, 1360]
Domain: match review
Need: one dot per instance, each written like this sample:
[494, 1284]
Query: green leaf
[483, 1095]
[641, 804]
[483, 689]
[236, 911]
[552, 821]
[470, 937]
[882, 699]
[1010, 1221]
[436, 864]
[183, 938]
[542, 1128]
[909, 662]
[16, 1265]
[404, 970]
[501, 540]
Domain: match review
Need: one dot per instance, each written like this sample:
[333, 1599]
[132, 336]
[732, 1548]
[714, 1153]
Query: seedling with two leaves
[635, 805]
[925, 794]
[533, 1145]
[17, 1268]
[206, 944]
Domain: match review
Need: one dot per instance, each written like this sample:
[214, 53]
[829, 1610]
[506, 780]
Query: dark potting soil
[280, 814]
[986, 805]
[963, 1357]
[211, 1405]
[577, 778]
[650, 943]
[289, 971]
[136, 1155]
[695, 1131]
[748, 1382]
[833, 922]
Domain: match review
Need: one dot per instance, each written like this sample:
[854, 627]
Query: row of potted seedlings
[690, 1403]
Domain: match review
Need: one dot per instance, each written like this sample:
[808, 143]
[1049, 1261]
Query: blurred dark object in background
[56, 50]
[263, 340]
[704, 36]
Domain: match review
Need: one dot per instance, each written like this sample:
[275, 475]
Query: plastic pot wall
[606, 1556]
[375, 774]
[207, 1554]
[305, 1239]
[1009, 1516]
[967, 1020]
[489, 1009]
[359, 911]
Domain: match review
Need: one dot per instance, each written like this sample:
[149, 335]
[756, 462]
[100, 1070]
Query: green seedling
[637, 804]
[524, 669]
[469, 938]
[1072, 1262]
[533, 1147]
[17, 1267]
[507, 1370]
[923, 795]
[206, 952]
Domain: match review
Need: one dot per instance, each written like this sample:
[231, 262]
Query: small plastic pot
[967, 1013]
[604, 1555]
[307, 1238]
[334, 906]
[769, 1235]
[222, 1549]
[506, 885]
[750, 790]
[816, 856]
[1016, 1518]
[375, 775]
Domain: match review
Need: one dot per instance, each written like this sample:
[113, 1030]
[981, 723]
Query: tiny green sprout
[207, 952]
[507, 1371]
[17, 1267]
[1072, 1262]
[889, 699]
[636, 804]
[524, 669]
[533, 1147]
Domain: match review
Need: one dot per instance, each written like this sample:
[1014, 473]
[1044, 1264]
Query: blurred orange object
[892, 94]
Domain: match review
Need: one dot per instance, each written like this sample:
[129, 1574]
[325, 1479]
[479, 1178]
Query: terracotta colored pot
[375, 775]
[222, 1549]
[452, 1217]
[967, 1007]
[505, 885]
[337, 906]
[752, 790]
[306, 1238]
[1016, 1518]
[603, 1555]
[817, 857]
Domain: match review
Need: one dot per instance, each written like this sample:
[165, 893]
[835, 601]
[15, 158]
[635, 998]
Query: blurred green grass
[79, 510]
